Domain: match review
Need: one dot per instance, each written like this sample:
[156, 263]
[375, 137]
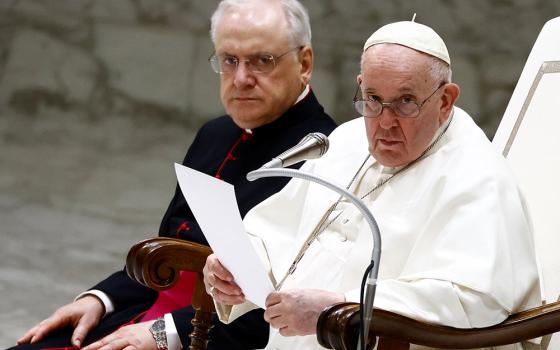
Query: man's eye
[373, 98]
[229, 60]
[264, 60]
[407, 99]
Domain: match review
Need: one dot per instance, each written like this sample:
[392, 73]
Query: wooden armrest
[337, 328]
[156, 263]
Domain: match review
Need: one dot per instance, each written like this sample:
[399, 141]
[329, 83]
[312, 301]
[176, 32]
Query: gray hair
[299, 29]
[440, 71]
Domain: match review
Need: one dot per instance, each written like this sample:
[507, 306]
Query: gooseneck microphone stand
[376, 253]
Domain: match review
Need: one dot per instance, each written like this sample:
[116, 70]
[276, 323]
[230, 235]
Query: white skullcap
[411, 34]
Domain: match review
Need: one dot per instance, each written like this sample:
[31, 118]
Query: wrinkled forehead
[397, 66]
[395, 57]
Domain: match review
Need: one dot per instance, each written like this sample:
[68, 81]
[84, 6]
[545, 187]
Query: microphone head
[312, 146]
[322, 142]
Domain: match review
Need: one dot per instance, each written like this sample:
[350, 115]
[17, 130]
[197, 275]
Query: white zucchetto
[411, 34]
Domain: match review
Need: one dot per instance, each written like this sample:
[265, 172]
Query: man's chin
[389, 158]
[245, 121]
[244, 104]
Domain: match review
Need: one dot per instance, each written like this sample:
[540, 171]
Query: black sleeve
[125, 292]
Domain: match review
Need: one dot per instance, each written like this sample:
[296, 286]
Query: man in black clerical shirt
[264, 57]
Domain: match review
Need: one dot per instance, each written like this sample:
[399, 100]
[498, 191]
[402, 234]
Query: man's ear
[306, 62]
[359, 79]
[449, 96]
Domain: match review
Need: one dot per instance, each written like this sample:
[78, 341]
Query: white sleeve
[103, 297]
[173, 340]
[436, 301]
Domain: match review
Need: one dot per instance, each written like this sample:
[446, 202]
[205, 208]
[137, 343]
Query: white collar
[303, 94]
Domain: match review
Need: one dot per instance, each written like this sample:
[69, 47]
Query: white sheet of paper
[214, 206]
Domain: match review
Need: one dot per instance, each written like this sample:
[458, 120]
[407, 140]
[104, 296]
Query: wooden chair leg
[202, 321]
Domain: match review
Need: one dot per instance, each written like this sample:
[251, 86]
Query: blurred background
[98, 98]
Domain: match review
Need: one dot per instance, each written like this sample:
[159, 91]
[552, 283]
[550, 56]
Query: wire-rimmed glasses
[258, 63]
[404, 107]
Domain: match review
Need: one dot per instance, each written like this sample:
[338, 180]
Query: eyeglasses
[259, 63]
[404, 107]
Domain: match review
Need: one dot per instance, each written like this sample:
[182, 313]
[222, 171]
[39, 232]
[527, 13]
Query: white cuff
[105, 300]
[173, 340]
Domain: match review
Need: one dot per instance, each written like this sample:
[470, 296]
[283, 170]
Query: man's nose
[387, 118]
[243, 76]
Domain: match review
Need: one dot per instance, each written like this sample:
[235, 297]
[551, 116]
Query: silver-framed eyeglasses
[257, 63]
[404, 107]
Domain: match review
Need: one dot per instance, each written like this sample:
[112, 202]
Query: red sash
[172, 299]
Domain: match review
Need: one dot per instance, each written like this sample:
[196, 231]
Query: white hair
[440, 70]
[297, 18]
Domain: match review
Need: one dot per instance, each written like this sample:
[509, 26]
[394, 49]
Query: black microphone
[312, 146]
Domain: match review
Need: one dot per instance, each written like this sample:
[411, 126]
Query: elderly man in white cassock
[457, 242]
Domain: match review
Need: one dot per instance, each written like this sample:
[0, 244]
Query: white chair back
[529, 137]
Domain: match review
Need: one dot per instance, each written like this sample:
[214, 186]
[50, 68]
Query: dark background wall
[99, 97]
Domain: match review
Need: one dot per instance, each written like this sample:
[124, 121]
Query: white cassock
[457, 246]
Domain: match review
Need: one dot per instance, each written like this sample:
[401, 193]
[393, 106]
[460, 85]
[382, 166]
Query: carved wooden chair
[156, 263]
[528, 137]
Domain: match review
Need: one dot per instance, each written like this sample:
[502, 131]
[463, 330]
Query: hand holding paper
[214, 205]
